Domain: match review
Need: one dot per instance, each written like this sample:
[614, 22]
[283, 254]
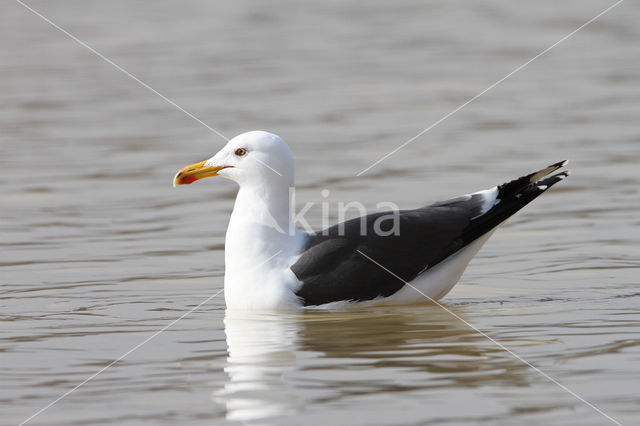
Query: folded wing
[332, 269]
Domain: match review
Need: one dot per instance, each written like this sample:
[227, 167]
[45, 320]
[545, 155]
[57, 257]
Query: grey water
[99, 252]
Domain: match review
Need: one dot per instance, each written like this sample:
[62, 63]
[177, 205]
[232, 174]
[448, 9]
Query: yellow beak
[194, 172]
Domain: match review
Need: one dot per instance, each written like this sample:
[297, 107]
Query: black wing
[332, 269]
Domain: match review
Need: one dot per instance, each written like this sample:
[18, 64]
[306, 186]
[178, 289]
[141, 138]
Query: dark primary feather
[331, 269]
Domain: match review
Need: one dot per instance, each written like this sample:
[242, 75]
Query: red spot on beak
[188, 179]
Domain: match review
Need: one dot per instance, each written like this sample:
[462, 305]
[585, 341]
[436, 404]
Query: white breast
[259, 248]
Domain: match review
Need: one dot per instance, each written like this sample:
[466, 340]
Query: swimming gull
[270, 264]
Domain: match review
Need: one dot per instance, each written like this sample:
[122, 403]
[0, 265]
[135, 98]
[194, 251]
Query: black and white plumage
[270, 264]
[333, 268]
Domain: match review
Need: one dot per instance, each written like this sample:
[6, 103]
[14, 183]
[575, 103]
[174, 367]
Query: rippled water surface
[99, 251]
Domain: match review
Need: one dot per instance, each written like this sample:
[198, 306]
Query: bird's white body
[259, 249]
[436, 282]
[258, 257]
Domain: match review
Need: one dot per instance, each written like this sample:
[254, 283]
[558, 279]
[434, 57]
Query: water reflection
[262, 348]
[279, 363]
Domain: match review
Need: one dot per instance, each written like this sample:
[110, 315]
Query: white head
[257, 158]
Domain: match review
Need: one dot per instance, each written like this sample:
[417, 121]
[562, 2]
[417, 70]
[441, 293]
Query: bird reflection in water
[280, 364]
[262, 350]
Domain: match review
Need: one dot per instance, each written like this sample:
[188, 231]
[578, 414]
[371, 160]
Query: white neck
[260, 226]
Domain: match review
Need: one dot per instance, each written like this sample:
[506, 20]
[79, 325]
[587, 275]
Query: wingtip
[552, 180]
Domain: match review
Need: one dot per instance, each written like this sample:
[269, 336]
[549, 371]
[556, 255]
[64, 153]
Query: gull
[380, 258]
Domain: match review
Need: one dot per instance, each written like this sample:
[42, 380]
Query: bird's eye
[240, 152]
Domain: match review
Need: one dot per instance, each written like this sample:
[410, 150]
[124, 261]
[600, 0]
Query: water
[99, 251]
